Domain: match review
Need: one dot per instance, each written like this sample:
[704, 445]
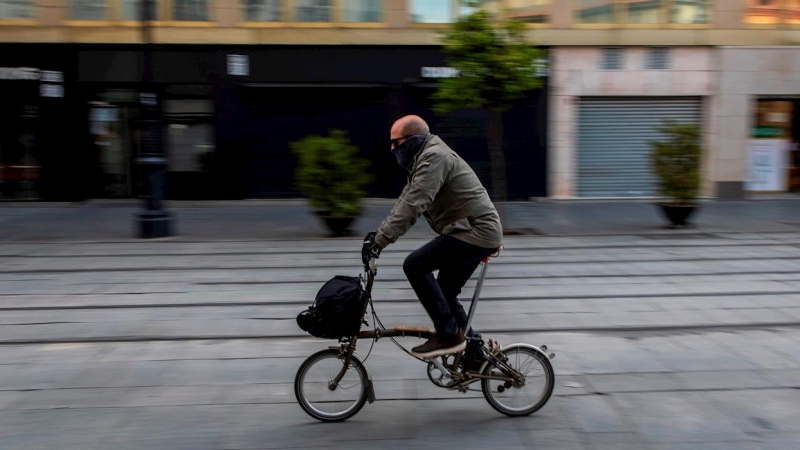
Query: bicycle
[346, 385]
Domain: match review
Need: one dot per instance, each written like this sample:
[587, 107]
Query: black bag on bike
[337, 310]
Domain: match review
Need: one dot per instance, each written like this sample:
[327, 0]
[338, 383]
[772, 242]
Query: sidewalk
[291, 219]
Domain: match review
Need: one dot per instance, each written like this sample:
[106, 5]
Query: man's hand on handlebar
[370, 249]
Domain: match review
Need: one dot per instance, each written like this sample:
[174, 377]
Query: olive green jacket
[443, 188]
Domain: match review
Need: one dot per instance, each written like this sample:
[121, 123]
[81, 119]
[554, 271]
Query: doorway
[112, 124]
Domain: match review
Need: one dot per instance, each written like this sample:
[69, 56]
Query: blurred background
[667, 337]
[238, 81]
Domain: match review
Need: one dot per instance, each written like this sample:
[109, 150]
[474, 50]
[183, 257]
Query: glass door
[111, 125]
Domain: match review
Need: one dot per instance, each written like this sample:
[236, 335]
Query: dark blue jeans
[455, 260]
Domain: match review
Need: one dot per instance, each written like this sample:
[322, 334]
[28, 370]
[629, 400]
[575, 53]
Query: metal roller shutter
[613, 136]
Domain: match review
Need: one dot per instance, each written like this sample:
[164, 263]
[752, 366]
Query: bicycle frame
[348, 350]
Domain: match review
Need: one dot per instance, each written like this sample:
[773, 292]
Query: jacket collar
[430, 141]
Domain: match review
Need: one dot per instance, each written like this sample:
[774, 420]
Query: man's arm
[415, 199]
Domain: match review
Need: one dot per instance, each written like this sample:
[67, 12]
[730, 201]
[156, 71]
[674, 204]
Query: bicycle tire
[315, 412]
[543, 361]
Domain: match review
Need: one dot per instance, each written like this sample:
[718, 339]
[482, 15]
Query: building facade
[240, 80]
[731, 67]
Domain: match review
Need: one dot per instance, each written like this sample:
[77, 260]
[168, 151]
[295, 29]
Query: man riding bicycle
[444, 189]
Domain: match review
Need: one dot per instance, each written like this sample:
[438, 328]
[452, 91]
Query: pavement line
[767, 277]
[319, 238]
[495, 276]
[405, 300]
[454, 395]
[533, 277]
[280, 252]
[597, 330]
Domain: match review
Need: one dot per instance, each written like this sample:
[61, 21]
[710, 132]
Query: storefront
[229, 115]
[607, 105]
[289, 93]
[755, 133]
[774, 156]
[33, 91]
[614, 135]
[108, 80]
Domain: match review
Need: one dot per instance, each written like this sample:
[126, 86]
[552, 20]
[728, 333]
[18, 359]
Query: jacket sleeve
[428, 177]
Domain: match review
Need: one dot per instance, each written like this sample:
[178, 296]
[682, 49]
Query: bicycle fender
[370, 387]
[521, 344]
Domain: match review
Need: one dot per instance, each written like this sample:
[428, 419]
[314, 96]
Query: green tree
[496, 68]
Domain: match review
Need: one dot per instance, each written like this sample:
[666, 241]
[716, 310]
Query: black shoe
[436, 346]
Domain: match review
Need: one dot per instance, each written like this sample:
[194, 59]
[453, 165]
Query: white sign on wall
[439, 72]
[19, 73]
[239, 65]
[50, 76]
[767, 165]
[51, 90]
[540, 65]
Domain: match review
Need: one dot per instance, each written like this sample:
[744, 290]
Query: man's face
[396, 136]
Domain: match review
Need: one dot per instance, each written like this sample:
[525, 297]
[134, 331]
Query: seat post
[476, 295]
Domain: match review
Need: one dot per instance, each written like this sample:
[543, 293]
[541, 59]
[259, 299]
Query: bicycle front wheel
[530, 392]
[319, 398]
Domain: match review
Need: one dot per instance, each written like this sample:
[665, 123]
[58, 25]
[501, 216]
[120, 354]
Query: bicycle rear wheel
[526, 396]
[320, 400]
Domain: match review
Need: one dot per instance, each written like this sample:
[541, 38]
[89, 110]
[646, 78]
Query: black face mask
[406, 151]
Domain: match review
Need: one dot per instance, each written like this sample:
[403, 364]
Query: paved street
[664, 339]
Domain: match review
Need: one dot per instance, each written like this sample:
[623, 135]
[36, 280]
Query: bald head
[409, 126]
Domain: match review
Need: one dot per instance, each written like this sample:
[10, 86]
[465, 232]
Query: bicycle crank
[443, 378]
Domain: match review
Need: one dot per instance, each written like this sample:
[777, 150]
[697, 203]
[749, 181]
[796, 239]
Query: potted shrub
[331, 175]
[676, 164]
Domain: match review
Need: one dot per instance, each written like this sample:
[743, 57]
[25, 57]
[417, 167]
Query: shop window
[594, 11]
[17, 9]
[772, 158]
[112, 150]
[20, 160]
[262, 10]
[313, 10]
[363, 11]
[690, 11]
[190, 10]
[89, 10]
[190, 134]
[530, 11]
